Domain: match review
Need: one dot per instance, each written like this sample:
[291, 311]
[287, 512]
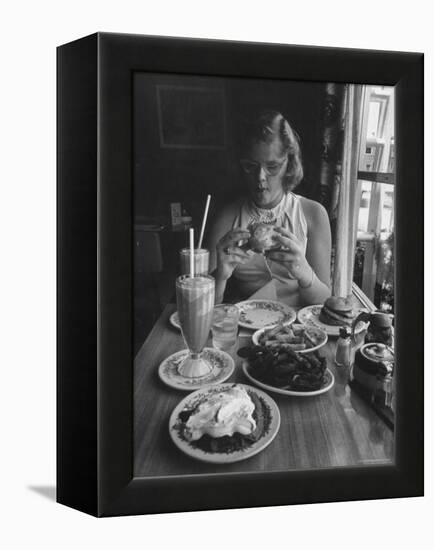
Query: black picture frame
[94, 197]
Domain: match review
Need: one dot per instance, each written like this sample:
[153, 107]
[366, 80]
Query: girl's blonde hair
[268, 125]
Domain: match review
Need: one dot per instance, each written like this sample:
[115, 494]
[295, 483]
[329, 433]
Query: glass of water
[225, 327]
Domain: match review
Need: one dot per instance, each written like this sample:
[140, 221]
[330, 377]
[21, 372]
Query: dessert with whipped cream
[227, 419]
[223, 413]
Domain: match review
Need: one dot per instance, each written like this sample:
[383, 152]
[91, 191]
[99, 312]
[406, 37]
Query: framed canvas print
[240, 274]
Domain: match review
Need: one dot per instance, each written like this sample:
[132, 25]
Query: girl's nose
[261, 175]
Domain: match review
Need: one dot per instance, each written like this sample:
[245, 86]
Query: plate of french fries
[295, 337]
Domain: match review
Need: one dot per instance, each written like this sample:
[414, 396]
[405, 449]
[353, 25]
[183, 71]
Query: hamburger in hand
[262, 237]
[337, 311]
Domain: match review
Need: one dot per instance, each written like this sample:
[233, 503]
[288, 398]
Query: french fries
[295, 338]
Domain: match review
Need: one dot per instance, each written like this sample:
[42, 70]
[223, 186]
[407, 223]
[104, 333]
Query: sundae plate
[222, 367]
[310, 316]
[267, 427]
[258, 314]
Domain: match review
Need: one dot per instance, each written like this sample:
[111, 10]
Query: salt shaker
[343, 348]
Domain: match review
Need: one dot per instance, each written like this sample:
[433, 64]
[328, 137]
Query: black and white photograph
[216, 275]
[263, 275]
[234, 323]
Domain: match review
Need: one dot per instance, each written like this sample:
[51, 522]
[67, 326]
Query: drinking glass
[201, 261]
[195, 301]
[225, 326]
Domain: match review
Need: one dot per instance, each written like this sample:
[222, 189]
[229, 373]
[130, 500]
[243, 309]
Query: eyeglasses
[270, 168]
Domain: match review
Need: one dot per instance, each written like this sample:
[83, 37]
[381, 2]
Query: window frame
[371, 237]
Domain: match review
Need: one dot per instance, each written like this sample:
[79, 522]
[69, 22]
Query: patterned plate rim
[287, 310]
[173, 322]
[331, 330]
[328, 386]
[227, 371]
[236, 456]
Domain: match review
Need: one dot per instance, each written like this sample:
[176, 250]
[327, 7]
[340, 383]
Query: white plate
[330, 380]
[174, 320]
[227, 457]
[257, 314]
[317, 333]
[222, 363]
[310, 316]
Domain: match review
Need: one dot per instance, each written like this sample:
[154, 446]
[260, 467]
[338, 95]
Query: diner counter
[335, 429]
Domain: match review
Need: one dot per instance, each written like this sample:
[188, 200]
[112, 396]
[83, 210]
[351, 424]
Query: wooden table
[334, 429]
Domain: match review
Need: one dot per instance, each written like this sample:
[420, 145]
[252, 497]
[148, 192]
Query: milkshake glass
[201, 261]
[195, 301]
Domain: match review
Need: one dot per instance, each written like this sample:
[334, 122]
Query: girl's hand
[229, 253]
[291, 256]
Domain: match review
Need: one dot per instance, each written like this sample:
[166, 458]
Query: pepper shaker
[343, 348]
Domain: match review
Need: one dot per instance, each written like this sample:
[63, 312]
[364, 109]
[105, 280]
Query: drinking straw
[191, 252]
[202, 230]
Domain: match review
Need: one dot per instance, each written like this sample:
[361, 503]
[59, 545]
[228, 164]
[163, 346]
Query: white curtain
[347, 200]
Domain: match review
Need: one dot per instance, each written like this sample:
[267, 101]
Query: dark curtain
[332, 146]
[332, 137]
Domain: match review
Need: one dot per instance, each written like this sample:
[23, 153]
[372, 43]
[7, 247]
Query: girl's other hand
[229, 253]
[291, 255]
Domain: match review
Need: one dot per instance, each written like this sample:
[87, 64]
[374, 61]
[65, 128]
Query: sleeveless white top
[258, 271]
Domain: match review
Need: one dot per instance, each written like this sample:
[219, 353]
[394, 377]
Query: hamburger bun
[262, 237]
[339, 304]
[337, 311]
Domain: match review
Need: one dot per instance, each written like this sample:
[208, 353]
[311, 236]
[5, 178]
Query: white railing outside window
[376, 179]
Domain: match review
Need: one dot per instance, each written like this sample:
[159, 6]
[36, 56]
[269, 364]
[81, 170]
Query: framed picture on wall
[191, 117]
[234, 252]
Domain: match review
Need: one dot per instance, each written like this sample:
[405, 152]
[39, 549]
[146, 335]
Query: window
[374, 257]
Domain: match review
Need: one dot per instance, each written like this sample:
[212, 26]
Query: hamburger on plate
[337, 311]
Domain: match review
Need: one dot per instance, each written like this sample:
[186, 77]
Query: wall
[187, 175]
